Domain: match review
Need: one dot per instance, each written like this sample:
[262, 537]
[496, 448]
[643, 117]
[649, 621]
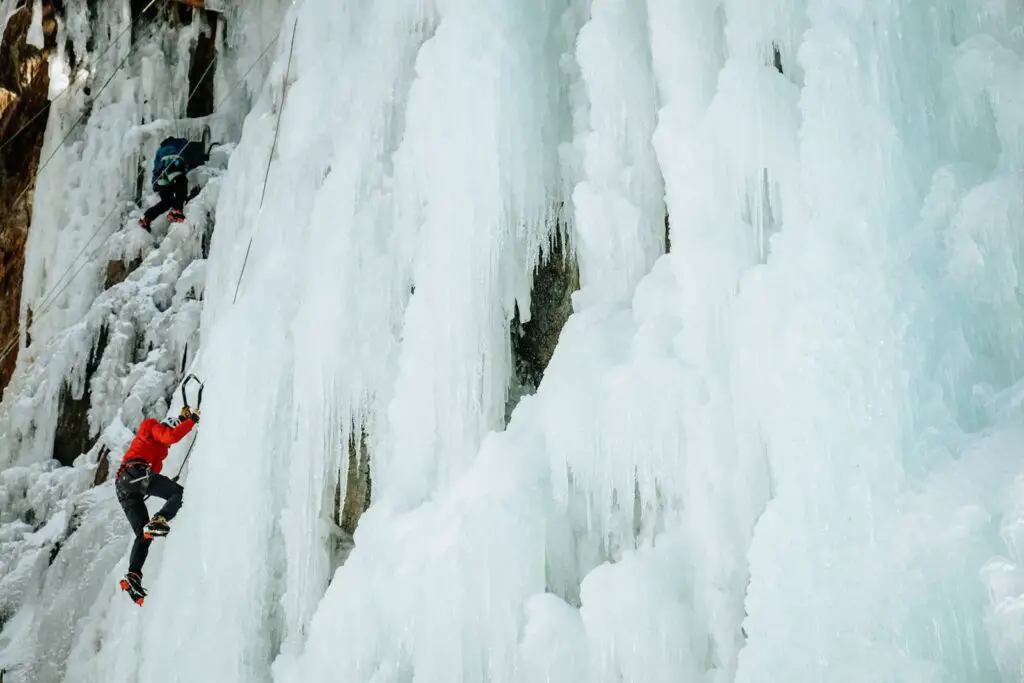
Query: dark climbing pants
[172, 196]
[131, 488]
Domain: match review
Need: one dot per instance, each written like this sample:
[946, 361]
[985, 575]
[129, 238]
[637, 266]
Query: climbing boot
[175, 216]
[132, 585]
[143, 223]
[157, 527]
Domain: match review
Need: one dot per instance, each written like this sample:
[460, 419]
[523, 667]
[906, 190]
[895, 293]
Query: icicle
[619, 205]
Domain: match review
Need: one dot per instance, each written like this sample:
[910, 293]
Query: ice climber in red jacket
[138, 476]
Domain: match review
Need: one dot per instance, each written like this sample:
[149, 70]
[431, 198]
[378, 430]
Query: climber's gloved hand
[194, 414]
[189, 414]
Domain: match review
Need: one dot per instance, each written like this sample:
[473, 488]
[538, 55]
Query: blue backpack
[174, 158]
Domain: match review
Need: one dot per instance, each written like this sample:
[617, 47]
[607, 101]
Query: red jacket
[153, 441]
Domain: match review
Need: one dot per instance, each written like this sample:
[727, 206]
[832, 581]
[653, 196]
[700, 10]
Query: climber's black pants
[131, 488]
[172, 196]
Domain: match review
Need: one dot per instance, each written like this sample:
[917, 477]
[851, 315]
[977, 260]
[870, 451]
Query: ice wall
[787, 391]
[786, 449]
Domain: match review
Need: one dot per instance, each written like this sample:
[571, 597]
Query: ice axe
[199, 403]
[184, 400]
[199, 395]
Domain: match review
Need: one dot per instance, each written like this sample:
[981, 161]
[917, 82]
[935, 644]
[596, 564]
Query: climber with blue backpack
[174, 159]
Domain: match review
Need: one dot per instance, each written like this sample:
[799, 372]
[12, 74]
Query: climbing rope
[247, 72]
[280, 110]
[273, 147]
[103, 54]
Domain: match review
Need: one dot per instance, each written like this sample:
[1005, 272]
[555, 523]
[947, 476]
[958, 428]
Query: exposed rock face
[72, 437]
[533, 342]
[24, 81]
[102, 466]
[357, 488]
[201, 71]
[118, 271]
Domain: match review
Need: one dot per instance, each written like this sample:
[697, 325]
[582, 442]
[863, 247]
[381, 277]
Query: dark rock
[533, 342]
[24, 81]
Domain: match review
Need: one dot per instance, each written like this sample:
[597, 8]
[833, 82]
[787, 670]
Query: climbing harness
[130, 464]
